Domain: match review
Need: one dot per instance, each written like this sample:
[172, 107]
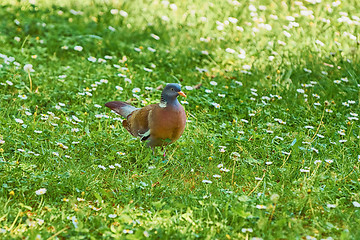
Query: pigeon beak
[182, 94]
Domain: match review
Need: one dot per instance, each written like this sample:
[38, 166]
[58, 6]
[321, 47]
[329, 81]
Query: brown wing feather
[138, 121]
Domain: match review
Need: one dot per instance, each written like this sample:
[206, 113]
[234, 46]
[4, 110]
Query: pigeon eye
[172, 89]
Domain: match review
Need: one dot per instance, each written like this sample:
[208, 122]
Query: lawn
[271, 149]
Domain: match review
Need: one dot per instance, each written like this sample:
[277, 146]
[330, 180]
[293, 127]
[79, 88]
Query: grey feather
[122, 108]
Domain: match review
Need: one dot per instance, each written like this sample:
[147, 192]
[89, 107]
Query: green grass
[281, 148]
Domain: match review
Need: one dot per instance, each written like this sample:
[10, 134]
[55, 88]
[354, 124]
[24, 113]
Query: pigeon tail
[122, 108]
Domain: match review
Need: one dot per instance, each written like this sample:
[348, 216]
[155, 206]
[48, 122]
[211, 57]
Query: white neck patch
[162, 104]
